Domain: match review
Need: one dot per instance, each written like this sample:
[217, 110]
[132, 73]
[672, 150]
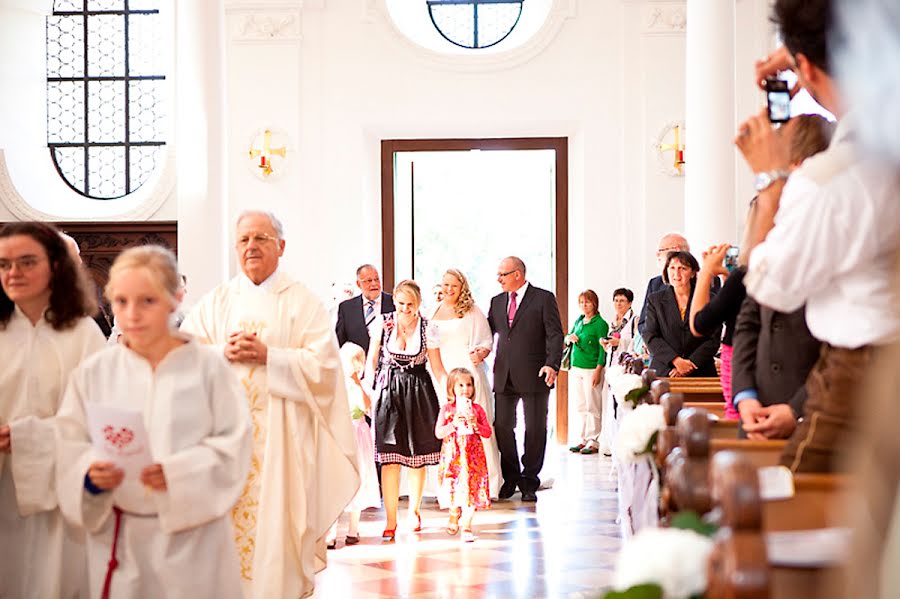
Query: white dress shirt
[376, 312]
[833, 247]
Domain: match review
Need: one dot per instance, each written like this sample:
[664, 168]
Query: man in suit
[526, 321]
[355, 315]
[773, 354]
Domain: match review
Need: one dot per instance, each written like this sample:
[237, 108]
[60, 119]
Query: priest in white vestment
[281, 343]
[44, 334]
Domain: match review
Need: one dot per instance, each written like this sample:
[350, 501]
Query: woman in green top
[586, 373]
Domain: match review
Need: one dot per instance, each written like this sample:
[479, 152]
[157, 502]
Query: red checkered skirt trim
[416, 461]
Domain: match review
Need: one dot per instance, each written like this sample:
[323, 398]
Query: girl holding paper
[463, 470]
[45, 332]
[157, 526]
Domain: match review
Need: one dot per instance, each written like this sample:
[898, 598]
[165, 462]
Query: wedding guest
[622, 327]
[674, 351]
[586, 371]
[353, 360]
[466, 341]
[463, 472]
[707, 314]
[620, 340]
[406, 408]
[45, 331]
[164, 531]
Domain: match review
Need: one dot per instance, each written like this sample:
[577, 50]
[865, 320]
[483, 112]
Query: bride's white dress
[459, 336]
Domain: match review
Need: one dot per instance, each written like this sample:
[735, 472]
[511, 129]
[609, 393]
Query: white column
[200, 144]
[710, 122]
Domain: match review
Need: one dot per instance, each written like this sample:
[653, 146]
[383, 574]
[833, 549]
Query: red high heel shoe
[418, 522]
[388, 535]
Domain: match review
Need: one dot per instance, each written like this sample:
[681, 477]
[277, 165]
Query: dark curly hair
[71, 296]
[805, 26]
[686, 259]
[626, 293]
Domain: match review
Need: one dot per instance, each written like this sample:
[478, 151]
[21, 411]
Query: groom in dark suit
[529, 350]
[356, 314]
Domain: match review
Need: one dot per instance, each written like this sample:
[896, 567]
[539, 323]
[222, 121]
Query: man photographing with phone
[837, 232]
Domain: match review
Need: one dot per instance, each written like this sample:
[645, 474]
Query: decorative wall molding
[562, 11]
[664, 18]
[266, 26]
[160, 190]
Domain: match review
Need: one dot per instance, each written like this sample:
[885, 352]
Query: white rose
[624, 384]
[635, 431]
[673, 558]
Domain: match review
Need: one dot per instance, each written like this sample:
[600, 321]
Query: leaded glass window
[475, 23]
[105, 94]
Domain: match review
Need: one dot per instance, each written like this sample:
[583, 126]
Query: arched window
[475, 23]
[105, 94]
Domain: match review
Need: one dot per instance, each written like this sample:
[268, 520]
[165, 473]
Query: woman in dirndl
[406, 408]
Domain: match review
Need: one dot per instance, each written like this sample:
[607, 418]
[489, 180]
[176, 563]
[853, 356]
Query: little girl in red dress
[462, 472]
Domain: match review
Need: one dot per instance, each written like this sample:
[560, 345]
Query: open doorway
[468, 203]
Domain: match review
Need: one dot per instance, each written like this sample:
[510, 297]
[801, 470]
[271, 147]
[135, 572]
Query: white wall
[338, 78]
[345, 79]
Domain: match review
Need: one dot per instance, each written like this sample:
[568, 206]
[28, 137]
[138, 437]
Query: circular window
[474, 23]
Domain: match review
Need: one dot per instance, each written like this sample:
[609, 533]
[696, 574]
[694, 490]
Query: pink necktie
[512, 307]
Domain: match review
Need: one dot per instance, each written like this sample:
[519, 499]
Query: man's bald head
[670, 242]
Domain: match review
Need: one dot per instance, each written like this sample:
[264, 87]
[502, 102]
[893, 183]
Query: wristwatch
[765, 179]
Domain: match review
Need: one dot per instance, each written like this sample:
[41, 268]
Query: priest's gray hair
[276, 224]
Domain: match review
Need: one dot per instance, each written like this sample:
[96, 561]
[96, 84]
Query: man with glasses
[357, 314]
[277, 336]
[670, 242]
[529, 333]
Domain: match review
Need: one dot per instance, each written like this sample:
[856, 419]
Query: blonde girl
[463, 471]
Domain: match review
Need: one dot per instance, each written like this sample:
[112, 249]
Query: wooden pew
[706, 390]
[741, 564]
[716, 409]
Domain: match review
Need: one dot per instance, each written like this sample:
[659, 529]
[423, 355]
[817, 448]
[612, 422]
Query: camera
[778, 97]
[731, 258]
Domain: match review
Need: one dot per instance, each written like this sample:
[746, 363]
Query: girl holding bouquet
[462, 472]
[353, 360]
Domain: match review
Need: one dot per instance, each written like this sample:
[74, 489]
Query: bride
[466, 341]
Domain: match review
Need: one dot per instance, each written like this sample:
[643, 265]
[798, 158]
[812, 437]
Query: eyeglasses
[669, 249]
[260, 238]
[369, 281]
[504, 274]
[24, 264]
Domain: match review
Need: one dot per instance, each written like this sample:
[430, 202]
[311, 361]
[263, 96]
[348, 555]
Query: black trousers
[535, 408]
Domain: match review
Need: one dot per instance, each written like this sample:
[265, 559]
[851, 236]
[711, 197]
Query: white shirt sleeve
[432, 336]
[797, 259]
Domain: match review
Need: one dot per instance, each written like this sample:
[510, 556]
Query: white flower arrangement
[623, 384]
[672, 558]
[636, 431]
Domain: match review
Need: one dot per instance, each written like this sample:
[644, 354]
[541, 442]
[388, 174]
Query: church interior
[417, 136]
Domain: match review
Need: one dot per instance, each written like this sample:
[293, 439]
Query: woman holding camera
[586, 372]
[709, 314]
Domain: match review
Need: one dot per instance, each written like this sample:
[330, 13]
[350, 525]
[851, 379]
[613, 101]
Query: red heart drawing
[119, 438]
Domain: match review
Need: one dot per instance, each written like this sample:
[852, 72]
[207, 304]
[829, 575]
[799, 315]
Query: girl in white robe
[165, 523]
[45, 332]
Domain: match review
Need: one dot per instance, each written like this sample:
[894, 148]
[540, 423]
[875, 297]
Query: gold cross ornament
[265, 153]
[677, 147]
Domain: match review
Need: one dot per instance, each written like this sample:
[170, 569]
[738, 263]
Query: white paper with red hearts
[119, 436]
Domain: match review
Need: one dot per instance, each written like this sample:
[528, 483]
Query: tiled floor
[565, 546]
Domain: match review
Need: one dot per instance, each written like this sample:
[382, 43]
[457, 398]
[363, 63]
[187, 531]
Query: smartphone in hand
[778, 97]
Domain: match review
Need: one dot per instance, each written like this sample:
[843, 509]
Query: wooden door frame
[561, 146]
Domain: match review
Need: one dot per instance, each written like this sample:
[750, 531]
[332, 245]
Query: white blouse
[413, 343]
